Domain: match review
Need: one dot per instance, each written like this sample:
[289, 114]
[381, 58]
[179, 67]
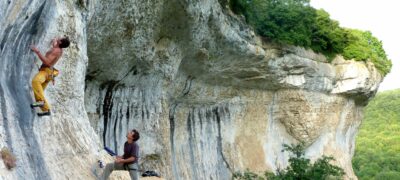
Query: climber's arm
[48, 59]
[54, 42]
[128, 160]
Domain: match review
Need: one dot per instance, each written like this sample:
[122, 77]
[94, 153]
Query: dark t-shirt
[130, 150]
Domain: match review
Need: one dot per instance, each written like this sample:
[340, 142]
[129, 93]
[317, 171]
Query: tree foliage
[364, 46]
[378, 142]
[295, 22]
[299, 167]
[283, 21]
[328, 37]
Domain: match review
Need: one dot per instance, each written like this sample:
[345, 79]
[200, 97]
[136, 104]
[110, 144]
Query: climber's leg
[46, 106]
[134, 171]
[39, 83]
[37, 87]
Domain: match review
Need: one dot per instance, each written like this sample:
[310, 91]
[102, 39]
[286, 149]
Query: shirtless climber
[47, 72]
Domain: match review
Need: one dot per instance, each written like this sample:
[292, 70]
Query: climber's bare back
[52, 56]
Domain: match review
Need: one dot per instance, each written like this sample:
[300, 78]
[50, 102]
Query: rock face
[208, 96]
[56, 147]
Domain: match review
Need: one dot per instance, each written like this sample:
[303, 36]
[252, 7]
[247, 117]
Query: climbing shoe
[47, 113]
[101, 164]
[37, 104]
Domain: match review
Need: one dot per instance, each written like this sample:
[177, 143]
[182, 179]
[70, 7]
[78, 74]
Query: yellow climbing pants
[39, 84]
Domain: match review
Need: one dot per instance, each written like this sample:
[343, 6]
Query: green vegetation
[377, 153]
[364, 46]
[295, 22]
[299, 168]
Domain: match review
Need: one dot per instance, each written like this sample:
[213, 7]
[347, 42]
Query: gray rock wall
[209, 97]
[55, 147]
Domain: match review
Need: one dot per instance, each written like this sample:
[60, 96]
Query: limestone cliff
[208, 96]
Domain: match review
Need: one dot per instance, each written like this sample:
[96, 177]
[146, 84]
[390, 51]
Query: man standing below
[47, 72]
[129, 161]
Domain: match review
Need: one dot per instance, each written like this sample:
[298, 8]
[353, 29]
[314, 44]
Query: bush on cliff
[364, 46]
[299, 168]
[295, 22]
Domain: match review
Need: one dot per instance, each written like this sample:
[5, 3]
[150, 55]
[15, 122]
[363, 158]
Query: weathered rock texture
[208, 96]
[56, 147]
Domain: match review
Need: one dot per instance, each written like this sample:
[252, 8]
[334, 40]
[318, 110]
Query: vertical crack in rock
[121, 118]
[200, 115]
[34, 26]
[107, 108]
[5, 37]
[127, 112]
[118, 116]
[191, 129]
[188, 85]
[171, 139]
[218, 112]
